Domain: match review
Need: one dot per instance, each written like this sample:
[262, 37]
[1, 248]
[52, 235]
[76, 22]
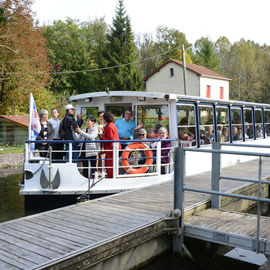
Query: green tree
[148, 54]
[171, 41]
[74, 46]
[206, 54]
[22, 51]
[245, 71]
[122, 51]
[223, 47]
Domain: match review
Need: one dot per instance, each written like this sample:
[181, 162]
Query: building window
[171, 72]
[208, 91]
[221, 92]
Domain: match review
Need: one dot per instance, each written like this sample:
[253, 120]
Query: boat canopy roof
[167, 96]
[123, 94]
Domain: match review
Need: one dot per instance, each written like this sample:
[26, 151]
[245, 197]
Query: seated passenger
[209, 133]
[165, 148]
[248, 131]
[259, 132]
[151, 133]
[224, 135]
[203, 136]
[140, 155]
[184, 138]
[235, 133]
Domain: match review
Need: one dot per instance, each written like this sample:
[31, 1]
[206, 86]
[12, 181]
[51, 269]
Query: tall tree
[21, 51]
[206, 54]
[244, 71]
[73, 47]
[148, 54]
[122, 52]
[223, 47]
[169, 43]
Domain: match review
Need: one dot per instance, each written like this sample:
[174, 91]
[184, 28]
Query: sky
[234, 19]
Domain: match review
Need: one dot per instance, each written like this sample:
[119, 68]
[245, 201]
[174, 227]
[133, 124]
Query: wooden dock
[92, 233]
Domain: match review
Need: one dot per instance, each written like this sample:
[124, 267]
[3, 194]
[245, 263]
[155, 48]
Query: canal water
[12, 207]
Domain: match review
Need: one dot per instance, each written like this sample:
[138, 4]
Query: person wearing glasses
[139, 155]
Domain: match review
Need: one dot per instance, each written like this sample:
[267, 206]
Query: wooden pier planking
[234, 223]
[52, 237]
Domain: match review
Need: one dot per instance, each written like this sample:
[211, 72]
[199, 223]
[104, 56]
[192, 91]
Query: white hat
[69, 106]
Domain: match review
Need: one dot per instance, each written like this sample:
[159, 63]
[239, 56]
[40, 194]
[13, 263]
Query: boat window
[267, 122]
[223, 124]
[153, 116]
[259, 123]
[118, 110]
[206, 124]
[90, 111]
[237, 133]
[186, 125]
[248, 124]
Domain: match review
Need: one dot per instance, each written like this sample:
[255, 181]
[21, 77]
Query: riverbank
[11, 160]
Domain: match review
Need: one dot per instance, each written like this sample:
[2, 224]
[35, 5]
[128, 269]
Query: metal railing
[180, 187]
[119, 169]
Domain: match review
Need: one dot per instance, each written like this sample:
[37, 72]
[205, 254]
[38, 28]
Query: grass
[6, 149]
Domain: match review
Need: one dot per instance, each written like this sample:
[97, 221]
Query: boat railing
[135, 158]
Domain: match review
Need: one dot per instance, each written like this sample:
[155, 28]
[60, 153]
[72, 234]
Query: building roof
[21, 120]
[199, 70]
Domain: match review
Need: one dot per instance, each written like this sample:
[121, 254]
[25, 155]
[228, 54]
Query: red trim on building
[208, 91]
[221, 92]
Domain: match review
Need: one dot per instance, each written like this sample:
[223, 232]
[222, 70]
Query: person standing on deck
[126, 127]
[88, 151]
[57, 148]
[70, 124]
[110, 133]
[46, 133]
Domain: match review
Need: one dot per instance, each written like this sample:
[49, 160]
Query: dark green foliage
[206, 54]
[121, 50]
[74, 46]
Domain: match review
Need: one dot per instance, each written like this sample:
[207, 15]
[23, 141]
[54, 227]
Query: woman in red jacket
[110, 133]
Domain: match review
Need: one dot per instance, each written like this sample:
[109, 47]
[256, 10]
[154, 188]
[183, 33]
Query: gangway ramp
[228, 228]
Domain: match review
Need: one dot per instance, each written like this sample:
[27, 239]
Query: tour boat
[190, 121]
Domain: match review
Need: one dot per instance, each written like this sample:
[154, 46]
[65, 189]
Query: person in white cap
[69, 124]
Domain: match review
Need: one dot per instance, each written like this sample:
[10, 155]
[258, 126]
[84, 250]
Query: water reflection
[11, 204]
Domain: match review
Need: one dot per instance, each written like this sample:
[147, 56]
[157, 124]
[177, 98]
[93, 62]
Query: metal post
[258, 204]
[215, 199]
[26, 152]
[50, 167]
[184, 70]
[158, 157]
[179, 174]
[115, 159]
[70, 152]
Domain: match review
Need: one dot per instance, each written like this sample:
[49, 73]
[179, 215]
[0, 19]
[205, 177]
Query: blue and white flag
[34, 126]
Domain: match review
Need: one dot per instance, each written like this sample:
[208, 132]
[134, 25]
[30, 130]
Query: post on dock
[179, 172]
[215, 185]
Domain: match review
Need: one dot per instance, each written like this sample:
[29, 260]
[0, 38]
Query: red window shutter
[208, 91]
[221, 93]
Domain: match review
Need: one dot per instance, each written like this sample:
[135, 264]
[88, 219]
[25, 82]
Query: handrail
[72, 155]
[180, 187]
[97, 141]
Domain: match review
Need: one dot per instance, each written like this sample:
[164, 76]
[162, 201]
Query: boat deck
[86, 233]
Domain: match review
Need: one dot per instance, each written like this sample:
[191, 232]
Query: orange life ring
[149, 158]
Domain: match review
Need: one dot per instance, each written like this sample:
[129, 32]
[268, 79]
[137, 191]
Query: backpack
[61, 131]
